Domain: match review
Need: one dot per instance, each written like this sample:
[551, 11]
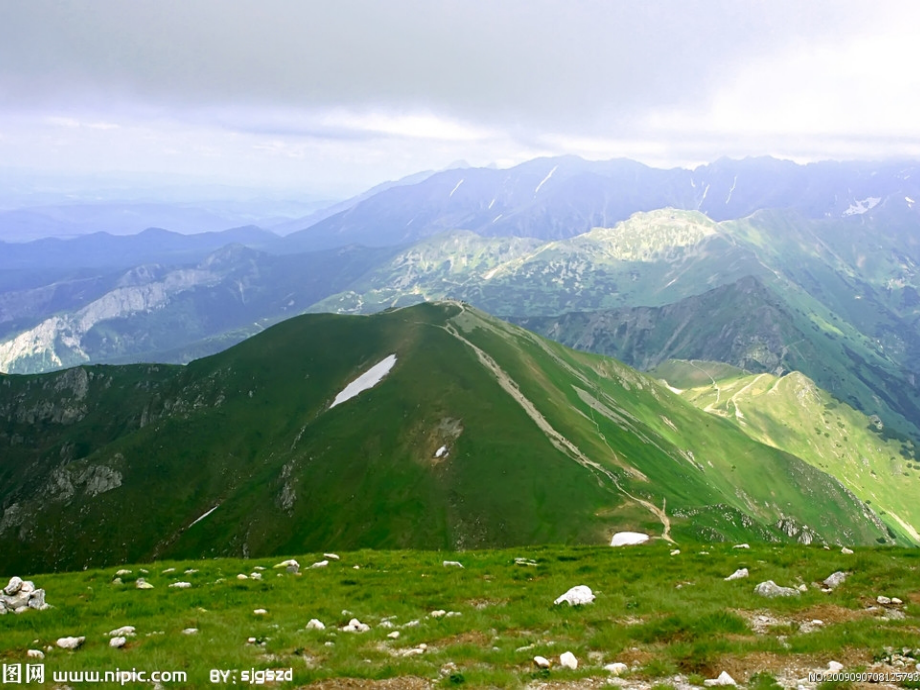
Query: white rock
[628, 539]
[723, 679]
[255, 575]
[117, 581]
[168, 571]
[454, 614]
[438, 613]
[541, 661]
[356, 567]
[771, 590]
[320, 564]
[191, 571]
[411, 624]
[834, 667]
[260, 612]
[70, 642]
[13, 587]
[331, 556]
[315, 625]
[738, 574]
[452, 564]
[896, 601]
[143, 571]
[393, 635]
[190, 631]
[675, 552]
[525, 561]
[181, 585]
[27, 587]
[617, 669]
[577, 596]
[259, 567]
[354, 625]
[241, 576]
[568, 660]
[835, 579]
[251, 640]
[287, 563]
[35, 654]
[141, 583]
[846, 551]
[802, 588]
[741, 546]
[122, 572]
[884, 601]
[118, 642]
[124, 631]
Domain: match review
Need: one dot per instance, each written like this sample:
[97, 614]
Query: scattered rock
[181, 585]
[723, 679]
[331, 556]
[771, 590]
[568, 660]
[241, 576]
[577, 596]
[835, 579]
[354, 625]
[122, 572]
[834, 667]
[320, 564]
[190, 631]
[117, 581]
[393, 635]
[452, 564]
[845, 551]
[411, 624]
[118, 642]
[738, 574]
[525, 561]
[168, 571]
[541, 661]
[141, 583]
[438, 613]
[70, 642]
[617, 669]
[191, 571]
[35, 654]
[894, 615]
[255, 576]
[896, 601]
[675, 552]
[286, 564]
[741, 546]
[260, 612]
[315, 625]
[811, 626]
[802, 588]
[143, 571]
[628, 539]
[884, 601]
[454, 614]
[124, 631]
[21, 595]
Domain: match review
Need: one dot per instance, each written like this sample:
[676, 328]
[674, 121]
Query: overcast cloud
[335, 96]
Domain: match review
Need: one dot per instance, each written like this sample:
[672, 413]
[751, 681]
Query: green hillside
[482, 434]
[793, 414]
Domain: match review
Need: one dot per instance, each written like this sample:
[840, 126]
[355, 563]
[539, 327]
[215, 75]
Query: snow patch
[492, 203]
[628, 539]
[494, 220]
[861, 207]
[440, 451]
[367, 380]
[205, 515]
[455, 188]
[734, 182]
[910, 202]
[543, 181]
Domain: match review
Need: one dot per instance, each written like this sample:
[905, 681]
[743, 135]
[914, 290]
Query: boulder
[13, 587]
[628, 539]
[738, 574]
[835, 579]
[35, 654]
[541, 661]
[568, 660]
[617, 669]
[834, 667]
[70, 642]
[315, 625]
[118, 642]
[577, 596]
[723, 679]
[845, 551]
[771, 590]
[884, 601]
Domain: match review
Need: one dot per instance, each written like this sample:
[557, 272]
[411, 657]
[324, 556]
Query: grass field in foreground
[672, 619]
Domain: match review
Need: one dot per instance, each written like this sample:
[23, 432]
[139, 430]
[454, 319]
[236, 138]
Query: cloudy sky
[332, 97]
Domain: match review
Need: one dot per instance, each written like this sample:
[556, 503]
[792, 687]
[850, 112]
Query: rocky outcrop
[21, 595]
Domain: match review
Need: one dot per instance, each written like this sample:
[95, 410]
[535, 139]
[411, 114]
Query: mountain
[558, 198]
[793, 414]
[102, 250]
[156, 312]
[478, 434]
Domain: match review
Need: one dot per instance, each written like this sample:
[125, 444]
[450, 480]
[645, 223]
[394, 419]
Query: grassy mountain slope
[792, 413]
[543, 444]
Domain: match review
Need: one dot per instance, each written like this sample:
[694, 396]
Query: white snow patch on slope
[495, 220]
[205, 515]
[492, 203]
[455, 188]
[365, 381]
[861, 207]
[440, 451]
[734, 182]
[909, 200]
[628, 539]
[543, 181]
